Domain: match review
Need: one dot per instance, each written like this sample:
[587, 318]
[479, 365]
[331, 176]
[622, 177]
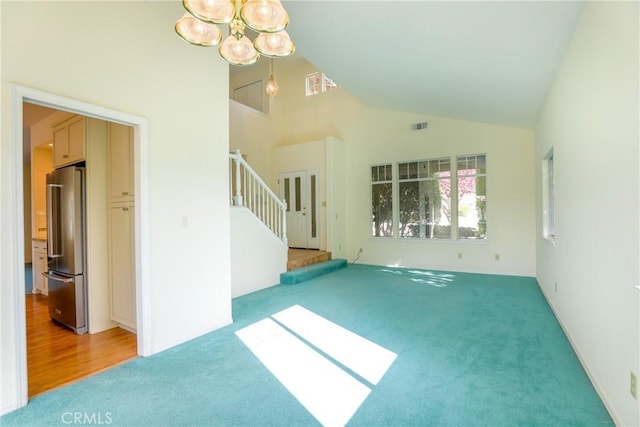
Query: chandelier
[267, 18]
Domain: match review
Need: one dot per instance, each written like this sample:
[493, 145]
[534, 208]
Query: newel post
[237, 198]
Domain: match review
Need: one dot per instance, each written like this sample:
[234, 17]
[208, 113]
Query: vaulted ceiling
[491, 62]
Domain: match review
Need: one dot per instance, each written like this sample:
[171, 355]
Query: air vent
[419, 126]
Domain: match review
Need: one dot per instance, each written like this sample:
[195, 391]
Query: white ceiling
[481, 61]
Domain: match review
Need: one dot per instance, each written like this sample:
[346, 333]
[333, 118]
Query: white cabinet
[39, 264]
[120, 160]
[122, 264]
[69, 141]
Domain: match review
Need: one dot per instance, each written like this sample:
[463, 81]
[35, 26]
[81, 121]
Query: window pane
[297, 194]
[548, 202]
[472, 222]
[551, 202]
[287, 197]
[472, 200]
[313, 206]
[381, 200]
[403, 171]
[413, 170]
[388, 175]
[425, 209]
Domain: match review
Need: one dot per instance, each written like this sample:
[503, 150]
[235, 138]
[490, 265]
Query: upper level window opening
[318, 82]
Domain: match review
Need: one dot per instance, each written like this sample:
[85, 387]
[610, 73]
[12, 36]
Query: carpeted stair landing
[309, 272]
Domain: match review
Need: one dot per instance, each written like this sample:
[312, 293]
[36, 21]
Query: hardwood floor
[302, 257]
[56, 356]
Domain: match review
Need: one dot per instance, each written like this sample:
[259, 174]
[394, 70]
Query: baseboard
[9, 408]
[193, 336]
[583, 362]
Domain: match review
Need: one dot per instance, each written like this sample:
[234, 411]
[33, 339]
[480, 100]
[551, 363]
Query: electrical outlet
[459, 255]
[497, 257]
[633, 385]
[556, 286]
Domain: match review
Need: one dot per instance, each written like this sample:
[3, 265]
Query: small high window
[318, 82]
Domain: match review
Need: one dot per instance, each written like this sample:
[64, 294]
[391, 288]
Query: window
[381, 200]
[424, 192]
[472, 197]
[318, 82]
[426, 199]
[548, 196]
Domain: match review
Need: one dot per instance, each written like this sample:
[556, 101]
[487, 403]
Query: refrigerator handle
[54, 239]
[56, 278]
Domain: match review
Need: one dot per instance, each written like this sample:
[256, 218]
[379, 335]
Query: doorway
[55, 354]
[300, 190]
[20, 95]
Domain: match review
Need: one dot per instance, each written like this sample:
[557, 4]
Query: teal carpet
[472, 350]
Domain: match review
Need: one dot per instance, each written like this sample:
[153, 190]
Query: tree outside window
[425, 199]
[382, 200]
[472, 197]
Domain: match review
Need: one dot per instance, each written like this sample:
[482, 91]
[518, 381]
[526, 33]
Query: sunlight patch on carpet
[326, 390]
[366, 358]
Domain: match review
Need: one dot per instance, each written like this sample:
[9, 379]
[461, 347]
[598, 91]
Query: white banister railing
[249, 190]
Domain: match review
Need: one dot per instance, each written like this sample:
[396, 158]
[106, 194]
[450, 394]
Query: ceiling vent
[419, 126]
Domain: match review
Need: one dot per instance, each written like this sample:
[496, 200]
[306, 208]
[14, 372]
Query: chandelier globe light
[268, 18]
[198, 32]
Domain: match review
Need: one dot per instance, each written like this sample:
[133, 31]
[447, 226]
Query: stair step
[302, 258]
[309, 272]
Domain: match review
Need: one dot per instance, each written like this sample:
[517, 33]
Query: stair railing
[247, 189]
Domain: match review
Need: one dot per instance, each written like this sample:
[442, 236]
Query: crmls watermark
[87, 418]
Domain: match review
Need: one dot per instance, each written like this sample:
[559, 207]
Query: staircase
[248, 190]
[258, 230]
[259, 251]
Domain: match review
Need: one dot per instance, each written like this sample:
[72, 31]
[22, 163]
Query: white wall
[253, 133]
[591, 121]
[257, 255]
[125, 56]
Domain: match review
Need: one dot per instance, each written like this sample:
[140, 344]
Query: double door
[300, 190]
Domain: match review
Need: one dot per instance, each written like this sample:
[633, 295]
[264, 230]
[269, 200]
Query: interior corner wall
[125, 56]
[591, 120]
[373, 136]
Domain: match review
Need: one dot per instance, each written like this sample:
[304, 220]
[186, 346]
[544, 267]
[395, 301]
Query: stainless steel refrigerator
[66, 273]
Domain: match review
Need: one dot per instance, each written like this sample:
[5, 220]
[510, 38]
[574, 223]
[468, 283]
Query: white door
[300, 191]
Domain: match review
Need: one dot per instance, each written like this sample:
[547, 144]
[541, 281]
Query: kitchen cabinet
[39, 265]
[120, 161]
[69, 141]
[122, 264]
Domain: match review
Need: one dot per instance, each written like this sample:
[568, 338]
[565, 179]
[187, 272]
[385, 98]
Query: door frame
[308, 173]
[19, 95]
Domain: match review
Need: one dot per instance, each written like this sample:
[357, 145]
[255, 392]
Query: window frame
[427, 178]
[475, 175]
[324, 83]
[454, 202]
[548, 197]
[392, 182]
